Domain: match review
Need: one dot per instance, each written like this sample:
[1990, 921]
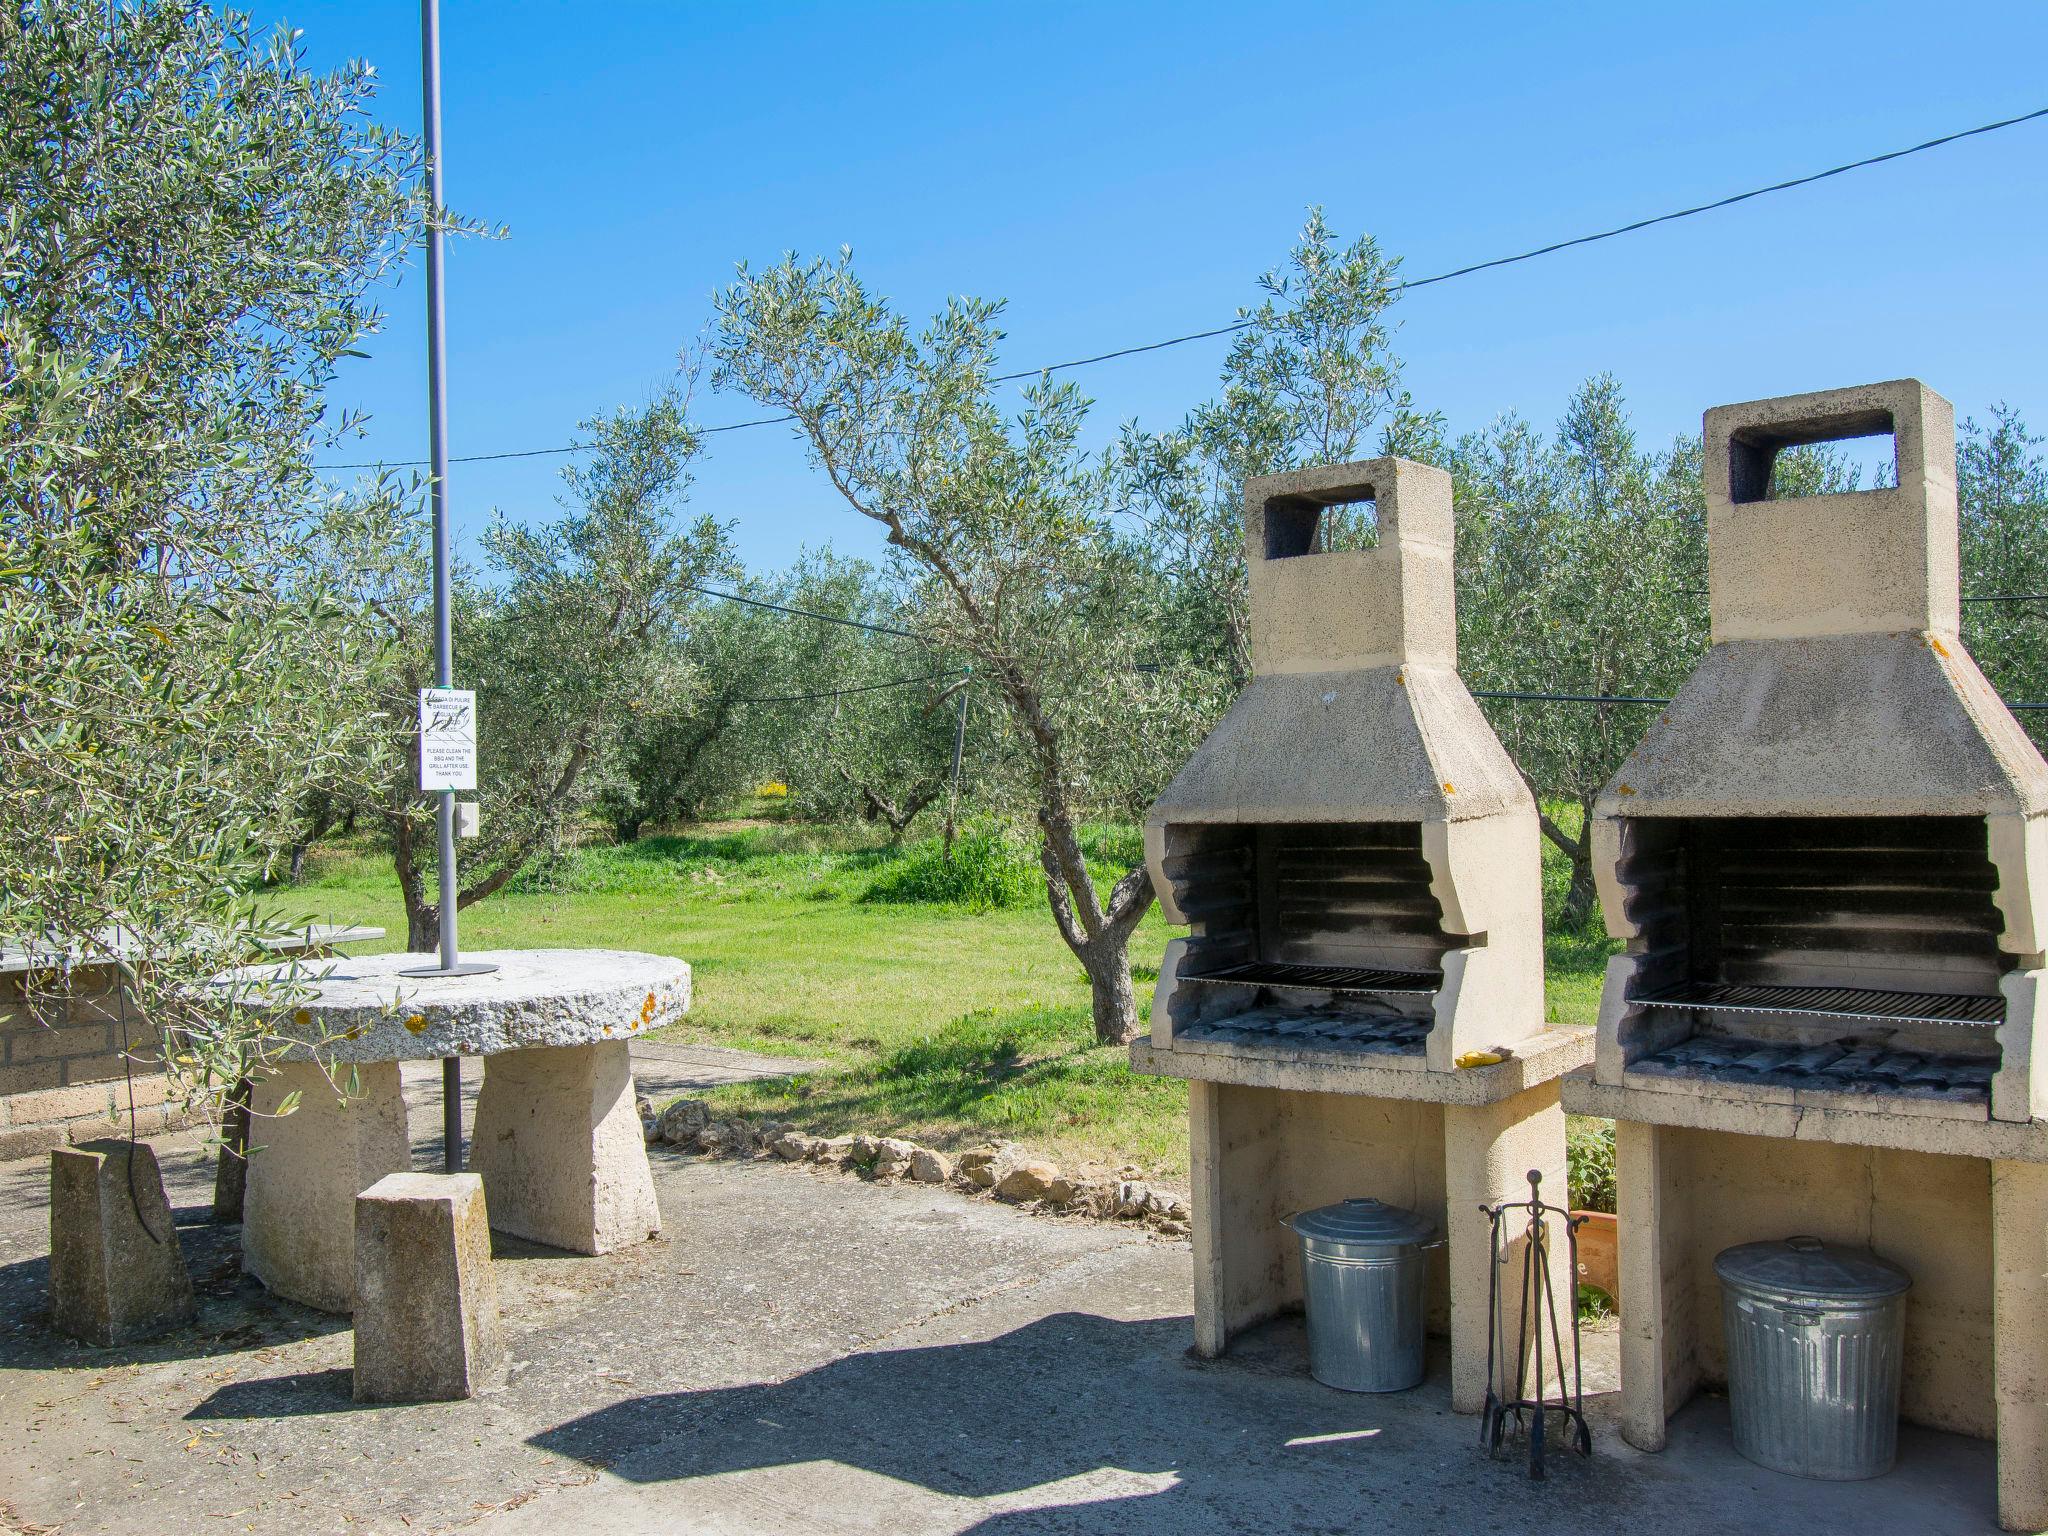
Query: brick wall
[62, 1075]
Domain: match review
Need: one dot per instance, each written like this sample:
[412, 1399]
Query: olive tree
[1002, 526]
[701, 736]
[1581, 570]
[1311, 378]
[195, 225]
[2002, 493]
[575, 638]
[876, 711]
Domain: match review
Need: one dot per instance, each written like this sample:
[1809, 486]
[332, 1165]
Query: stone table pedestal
[561, 1150]
[557, 1140]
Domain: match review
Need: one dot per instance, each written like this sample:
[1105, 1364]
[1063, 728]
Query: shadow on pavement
[1081, 1423]
[283, 1397]
[235, 1312]
[1072, 1422]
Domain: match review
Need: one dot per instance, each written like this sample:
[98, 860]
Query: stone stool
[426, 1296]
[116, 1270]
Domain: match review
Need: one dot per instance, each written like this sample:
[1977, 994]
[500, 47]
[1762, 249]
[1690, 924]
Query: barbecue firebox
[1359, 1000]
[1827, 861]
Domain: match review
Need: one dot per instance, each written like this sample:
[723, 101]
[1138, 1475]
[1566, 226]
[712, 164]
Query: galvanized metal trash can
[1362, 1268]
[1815, 1336]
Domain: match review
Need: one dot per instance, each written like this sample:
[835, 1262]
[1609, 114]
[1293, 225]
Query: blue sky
[1124, 173]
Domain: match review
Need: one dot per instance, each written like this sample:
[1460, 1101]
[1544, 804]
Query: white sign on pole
[447, 738]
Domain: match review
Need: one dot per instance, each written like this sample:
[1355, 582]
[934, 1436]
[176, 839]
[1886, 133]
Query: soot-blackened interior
[1847, 951]
[1325, 932]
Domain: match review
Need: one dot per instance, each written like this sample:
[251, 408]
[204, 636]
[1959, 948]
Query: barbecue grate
[1323, 978]
[1832, 1003]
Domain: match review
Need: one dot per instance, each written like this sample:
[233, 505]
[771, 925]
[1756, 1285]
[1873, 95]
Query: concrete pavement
[802, 1352]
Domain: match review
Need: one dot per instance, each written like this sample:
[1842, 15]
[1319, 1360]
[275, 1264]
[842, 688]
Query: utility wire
[835, 693]
[1988, 597]
[539, 453]
[1401, 287]
[1564, 698]
[805, 613]
[1613, 698]
[1729, 202]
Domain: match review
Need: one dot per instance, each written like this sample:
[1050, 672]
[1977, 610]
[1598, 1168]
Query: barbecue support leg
[1489, 1150]
[2019, 1301]
[1658, 1372]
[1207, 1225]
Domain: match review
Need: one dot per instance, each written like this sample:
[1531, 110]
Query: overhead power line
[1401, 287]
[1987, 597]
[1617, 698]
[1730, 202]
[835, 693]
[1563, 698]
[804, 613]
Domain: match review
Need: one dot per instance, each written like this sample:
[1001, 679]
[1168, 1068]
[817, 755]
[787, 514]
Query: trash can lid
[1365, 1223]
[1806, 1266]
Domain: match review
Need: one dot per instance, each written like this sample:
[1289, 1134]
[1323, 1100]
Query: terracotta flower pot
[1599, 1249]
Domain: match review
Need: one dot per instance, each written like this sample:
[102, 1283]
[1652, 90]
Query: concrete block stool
[116, 1271]
[426, 1296]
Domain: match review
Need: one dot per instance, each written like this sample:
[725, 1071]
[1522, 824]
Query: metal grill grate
[1832, 1003]
[1322, 978]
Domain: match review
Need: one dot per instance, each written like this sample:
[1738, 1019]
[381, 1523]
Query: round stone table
[557, 1140]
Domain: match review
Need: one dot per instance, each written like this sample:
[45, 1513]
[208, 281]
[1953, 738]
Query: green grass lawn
[940, 1022]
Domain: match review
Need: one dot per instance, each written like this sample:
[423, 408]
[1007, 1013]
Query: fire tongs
[1531, 1402]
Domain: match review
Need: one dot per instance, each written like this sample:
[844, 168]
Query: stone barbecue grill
[1858, 954]
[1822, 856]
[1353, 851]
[1826, 864]
[1356, 859]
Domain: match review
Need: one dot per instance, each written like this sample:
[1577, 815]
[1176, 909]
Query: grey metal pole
[959, 746]
[444, 625]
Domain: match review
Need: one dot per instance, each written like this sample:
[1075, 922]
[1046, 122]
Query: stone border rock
[1004, 1171]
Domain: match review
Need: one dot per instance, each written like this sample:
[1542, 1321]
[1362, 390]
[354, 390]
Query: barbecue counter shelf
[1358, 1002]
[1826, 862]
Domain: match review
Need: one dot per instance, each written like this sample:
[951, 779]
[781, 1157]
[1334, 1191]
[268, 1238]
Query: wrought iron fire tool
[1531, 1404]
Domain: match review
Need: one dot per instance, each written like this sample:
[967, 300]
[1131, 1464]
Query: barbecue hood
[1837, 684]
[1353, 808]
[1867, 812]
[1355, 711]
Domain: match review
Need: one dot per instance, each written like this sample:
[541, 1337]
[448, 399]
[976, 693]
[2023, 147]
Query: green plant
[1589, 1162]
[990, 868]
[566, 651]
[197, 226]
[1006, 524]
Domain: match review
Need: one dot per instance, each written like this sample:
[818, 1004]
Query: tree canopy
[195, 226]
